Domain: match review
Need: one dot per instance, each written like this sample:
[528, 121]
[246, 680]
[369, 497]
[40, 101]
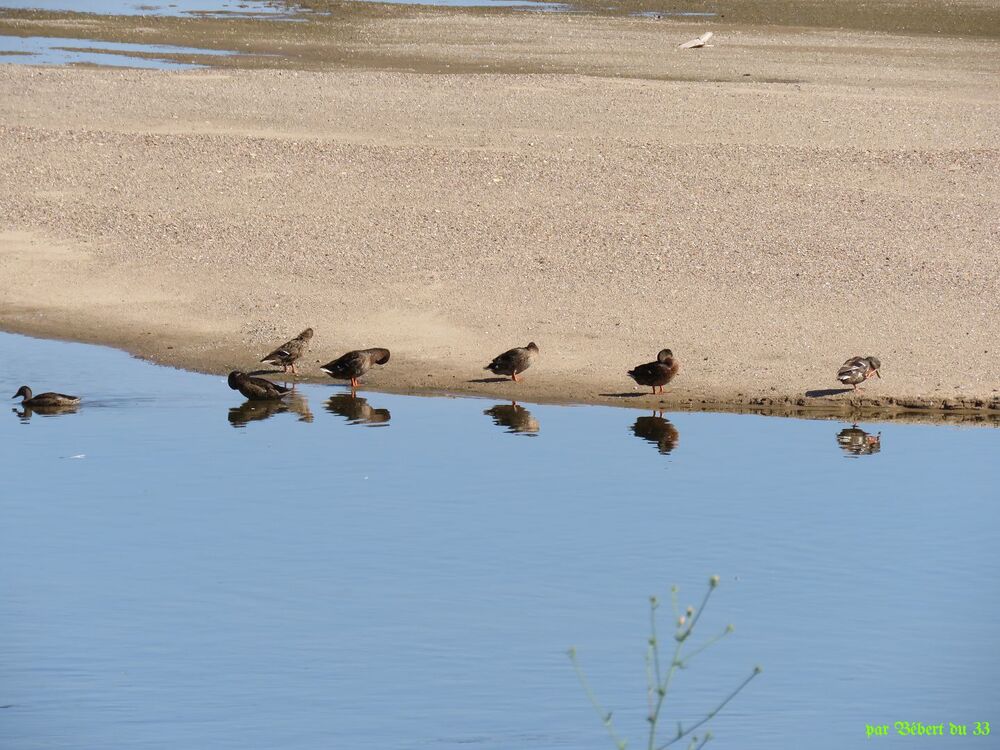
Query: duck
[657, 374]
[256, 389]
[44, 399]
[513, 361]
[353, 365]
[858, 369]
[287, 354]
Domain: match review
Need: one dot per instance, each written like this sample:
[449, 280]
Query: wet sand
[766, 208]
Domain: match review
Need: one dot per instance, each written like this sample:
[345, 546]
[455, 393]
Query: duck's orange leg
[513, 376]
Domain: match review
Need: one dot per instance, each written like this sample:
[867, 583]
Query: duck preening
[288, 353]
[256, 389]
[858, 369]
[513, 361]
[44, 399]
[657, 374]
[353, 365]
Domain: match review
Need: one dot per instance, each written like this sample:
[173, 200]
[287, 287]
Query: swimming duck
[513, 361]
[657, 374]
[44, 399]
[858, 370]
[256, 389]
[286, 354]
[354, 364]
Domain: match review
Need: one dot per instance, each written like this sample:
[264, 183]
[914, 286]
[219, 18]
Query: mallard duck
[354, 364]
[44, 399]
[256, 389]
[356, 410]
[514, 417]
[857, 442]
[286, 354]
[858, 370]
[657, 374]
[658, 430]
[513, 361]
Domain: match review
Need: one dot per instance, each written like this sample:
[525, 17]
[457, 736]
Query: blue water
[409, 572]
[244, 8]
[38, 50]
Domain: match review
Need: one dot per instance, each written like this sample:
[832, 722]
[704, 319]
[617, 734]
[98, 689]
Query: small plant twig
[711, 714]
[658, 683]
[606, 717]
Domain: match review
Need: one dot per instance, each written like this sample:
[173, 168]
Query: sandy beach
[767, 208]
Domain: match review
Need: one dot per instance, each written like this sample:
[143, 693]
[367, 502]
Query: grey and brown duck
[44, 400]
[513, 361]
[657, 374]
[292, 350]
[353, 365]
[256, 389]
[857, 370]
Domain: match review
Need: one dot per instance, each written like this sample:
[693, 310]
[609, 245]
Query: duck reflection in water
[656, 429]
[857, 442]
[24, 413]
[514, 417]
[357, 410]
[254, 411]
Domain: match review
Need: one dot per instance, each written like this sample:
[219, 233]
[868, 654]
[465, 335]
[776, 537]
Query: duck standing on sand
[286, 354]
[44, 399]
[354, 364]
[657, 374]
[513, 361]
[256, 389]
[858, 370]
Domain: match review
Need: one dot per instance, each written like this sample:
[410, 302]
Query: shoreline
[862, 407]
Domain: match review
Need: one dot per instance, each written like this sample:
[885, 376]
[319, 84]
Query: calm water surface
[179, 569]
[41, 50]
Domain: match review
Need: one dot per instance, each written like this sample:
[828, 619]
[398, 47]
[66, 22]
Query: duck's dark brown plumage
[657, 374]
[513, 361]
[353, 365]
[256, 389]
[43, 400]
[858, 369]
[288, 353]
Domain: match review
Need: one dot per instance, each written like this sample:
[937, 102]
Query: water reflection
[515, 418]
[656, 429]
[254, 411]
[25, 413]
[857, 442]
[357, 410]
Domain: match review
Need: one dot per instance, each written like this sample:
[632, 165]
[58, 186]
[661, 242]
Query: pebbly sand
[766, 208]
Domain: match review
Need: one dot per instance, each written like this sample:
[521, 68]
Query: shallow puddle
[39, 50]
[237, 8]
[180, 569]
